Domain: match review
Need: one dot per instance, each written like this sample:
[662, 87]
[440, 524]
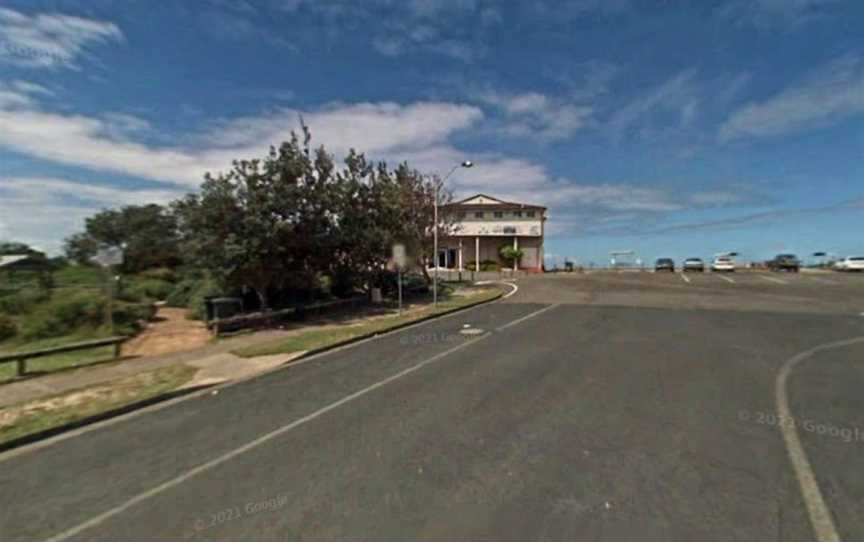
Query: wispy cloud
[50, 40]
[766, 217]
[648, 113]
[442, 27]
[784, 14]
[830, 94]
[539, 116]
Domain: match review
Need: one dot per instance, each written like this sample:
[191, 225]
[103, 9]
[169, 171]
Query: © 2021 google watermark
[846, 434]
[237, 512]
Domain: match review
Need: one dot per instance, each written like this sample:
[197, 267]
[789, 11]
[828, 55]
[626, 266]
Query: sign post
[399, 259]
[107, 258]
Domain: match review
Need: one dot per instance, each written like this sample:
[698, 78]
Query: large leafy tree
[417, 194]
[265, 223]
[148, 233]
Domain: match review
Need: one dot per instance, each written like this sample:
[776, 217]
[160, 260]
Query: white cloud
[50, 40]
[832, 93]
[109, 144]
[42, 211]
[537, 115]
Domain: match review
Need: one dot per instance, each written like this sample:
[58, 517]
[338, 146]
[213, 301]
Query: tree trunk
[262, 298]
[425, 271]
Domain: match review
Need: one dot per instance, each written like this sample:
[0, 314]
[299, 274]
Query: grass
[39, 415]
[80, 275]
[56, 362]
[320, 338]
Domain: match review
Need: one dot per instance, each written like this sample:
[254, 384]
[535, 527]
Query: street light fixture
[466, 164]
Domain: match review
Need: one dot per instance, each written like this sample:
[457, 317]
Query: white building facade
[483, 224]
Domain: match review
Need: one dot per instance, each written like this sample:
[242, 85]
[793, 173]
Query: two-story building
[481, 225]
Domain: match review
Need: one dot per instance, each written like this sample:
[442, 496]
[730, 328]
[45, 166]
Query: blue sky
[671, 128]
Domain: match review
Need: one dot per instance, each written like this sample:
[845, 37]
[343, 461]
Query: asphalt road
[602, 406]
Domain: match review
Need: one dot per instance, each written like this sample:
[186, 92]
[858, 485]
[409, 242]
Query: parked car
[723, 264]
[664, 264]
[785, 262]
[693, 264]
[850, 263]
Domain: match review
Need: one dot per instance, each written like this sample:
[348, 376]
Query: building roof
[23, 262]
[484, 201]
[12, 258]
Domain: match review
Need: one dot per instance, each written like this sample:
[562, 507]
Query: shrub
[22, 301]
[64, 314]
[130, 317]
[490, 265]
[190, 293]
[182, 291]
[149, 289]
[510, 255]
[196, 301]
[8, 328]
[159, 273]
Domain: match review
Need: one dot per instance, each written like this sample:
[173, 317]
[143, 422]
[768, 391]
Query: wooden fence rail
[21, 357]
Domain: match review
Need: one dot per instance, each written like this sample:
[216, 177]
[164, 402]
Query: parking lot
[745, 290]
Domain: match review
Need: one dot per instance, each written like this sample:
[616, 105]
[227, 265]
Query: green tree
[510, 255]
[149, 233]
[266, 223]
[417, 194]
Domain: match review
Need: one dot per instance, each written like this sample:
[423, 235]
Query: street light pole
[465, 164]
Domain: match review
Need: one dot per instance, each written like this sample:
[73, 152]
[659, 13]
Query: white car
[722, 264]
[850, 263]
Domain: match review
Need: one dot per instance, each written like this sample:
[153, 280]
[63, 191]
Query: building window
[530, 214]
[478, 214]
[499, 214]
[460, 215]
[517, 214]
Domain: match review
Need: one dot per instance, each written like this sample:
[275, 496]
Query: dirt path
[169, 332]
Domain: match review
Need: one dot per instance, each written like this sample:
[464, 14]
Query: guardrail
[21, 357]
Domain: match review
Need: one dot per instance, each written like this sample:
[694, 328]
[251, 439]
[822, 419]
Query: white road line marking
[727, 279]
[686, 279]
[505, 296]
[141, 497]
[515, 289]
[772, 279]
[820, 516]
[532, 315]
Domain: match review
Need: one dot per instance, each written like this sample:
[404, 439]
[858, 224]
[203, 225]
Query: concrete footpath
[215, 362]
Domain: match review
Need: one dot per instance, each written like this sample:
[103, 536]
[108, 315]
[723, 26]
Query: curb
[397, 327]
[95, 418]
[44, 438]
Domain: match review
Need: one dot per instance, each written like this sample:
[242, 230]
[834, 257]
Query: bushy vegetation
[165, 274]
[151, 289]
[36, 309]
[64, 314]
[83, 313]
[22, 301]
[510, 255]
[8, 327]
[490, 265]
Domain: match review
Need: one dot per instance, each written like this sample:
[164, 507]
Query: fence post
[117, 346]
[22, 366]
